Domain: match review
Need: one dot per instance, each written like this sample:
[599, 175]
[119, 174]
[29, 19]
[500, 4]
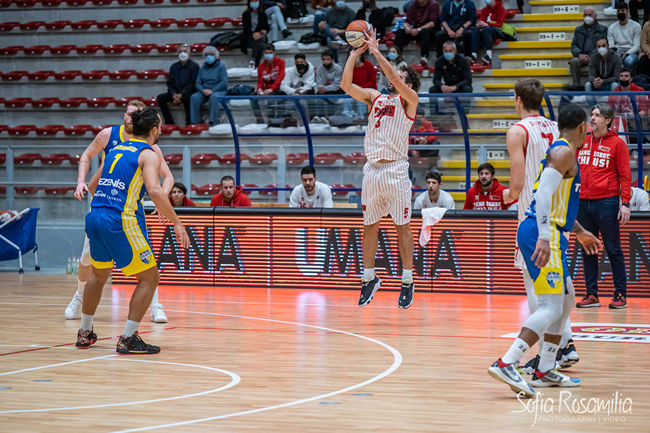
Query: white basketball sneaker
[157, 314]
[73, 310]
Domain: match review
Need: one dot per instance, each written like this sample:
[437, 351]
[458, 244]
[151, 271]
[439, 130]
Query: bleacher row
[55, 3]
[162, 23]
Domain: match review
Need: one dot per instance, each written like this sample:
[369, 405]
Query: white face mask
[589, 20]
[602, 51]
[182, 56]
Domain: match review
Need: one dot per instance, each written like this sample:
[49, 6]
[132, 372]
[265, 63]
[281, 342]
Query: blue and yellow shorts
[551, 279]
[121, 239]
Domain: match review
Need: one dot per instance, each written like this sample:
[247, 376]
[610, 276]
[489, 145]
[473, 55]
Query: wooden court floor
[257, 360]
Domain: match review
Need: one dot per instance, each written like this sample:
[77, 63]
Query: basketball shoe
[134, 345]
[553, 378]
[73, 310]
[589, 301]
[157, 314]
[406, 295]
[507, 374]
[85, 339]
[568, 356]
[368, 291]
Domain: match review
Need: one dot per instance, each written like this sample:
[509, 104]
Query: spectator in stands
[296, 10]
[487, 192]
[255, 27]
[180, 85]
[639, 200]
[328, 82]
[605, 192]
[311, 192]
[395, 58]
[379, 18]
[624, 36]
[643, 66]
[422, 20]
[604, 69]
[333, 26]
[230, 195]
[270, 74]
[434, 196]
[273, 10]
[488, 28]
[583, 44]
[211, 82]
[622, 104]
[320, 9]
[456, 18]
[364, 76]
[634, 10]
[178, 196]
[299, 79]
[451, 74]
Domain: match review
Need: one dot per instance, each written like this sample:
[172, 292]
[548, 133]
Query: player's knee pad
[85, 254]
[529, 284]
[549, 310]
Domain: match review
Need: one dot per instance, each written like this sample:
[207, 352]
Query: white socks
[87, 321]
[516, 351]
[547, 357]
[154, 300]
[81, 285]
[130, 328]
[489, 53]
[368, 274]
[407, 276]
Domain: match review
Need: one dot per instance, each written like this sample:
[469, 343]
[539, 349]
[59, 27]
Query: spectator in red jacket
[622, 104]
[364, 76]
[604, 178]
[230, 195]
[270, 74]
[178, 196]
[488, 28]
[487, 192]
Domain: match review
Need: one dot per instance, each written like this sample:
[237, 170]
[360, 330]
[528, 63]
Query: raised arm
[515, 141]
[358, 93]
[97, 145]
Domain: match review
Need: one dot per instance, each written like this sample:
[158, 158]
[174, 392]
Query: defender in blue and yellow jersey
[542, 242]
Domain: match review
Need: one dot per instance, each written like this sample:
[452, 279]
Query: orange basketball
[356, 32]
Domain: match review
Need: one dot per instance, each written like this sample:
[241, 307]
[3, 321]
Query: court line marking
[234, 380]
[6, 373]
[397, 361]
[38, 346]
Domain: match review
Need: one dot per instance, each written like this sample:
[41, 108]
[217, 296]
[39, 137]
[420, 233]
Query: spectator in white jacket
[624, 36]
[299, 79]
[310, 193]
[639, 200]
[434, 196]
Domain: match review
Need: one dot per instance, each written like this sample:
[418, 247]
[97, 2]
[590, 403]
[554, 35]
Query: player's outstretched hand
[161, 217]
[371, 42]
[79, 192]
[181, 235]
[542, 253]
[589, 242]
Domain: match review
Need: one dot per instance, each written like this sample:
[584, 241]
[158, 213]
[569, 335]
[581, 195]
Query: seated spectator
[395, 58]
[624, 36]
[230, 195]
[270, 74]
[583, 44]
[604, 69]
[622, 104]
[451, 74]
[255, 27]
[180, 85]
[320, 9]
[639, 200]
[456, 18]
[379, 18]
[643, 66]
[422, 20]
[488, 28]
[328, 82]
[434, 196]
[311, 193]
[364, 76]
[273, 10]
[211, 82]
[178, 196]
[296, 10]
[634, 10]
[333, 26]
[299, 79]
[487, 192]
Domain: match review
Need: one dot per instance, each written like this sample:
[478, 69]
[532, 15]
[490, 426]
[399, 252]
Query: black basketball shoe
[134, 345]
[368, 291]
[85, 339]
[406, 295]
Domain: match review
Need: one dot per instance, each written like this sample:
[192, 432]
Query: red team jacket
[492, 200]
[238, 200]
[270, 76]
[604, 168]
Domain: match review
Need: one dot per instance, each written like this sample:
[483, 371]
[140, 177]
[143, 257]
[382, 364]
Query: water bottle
[68, 266]
[251, 65]
[75, 265]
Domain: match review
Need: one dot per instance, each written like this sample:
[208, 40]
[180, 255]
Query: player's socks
[567, 334]
[154, 300]
[547, 357]
[516, 351]
[130, 328]
[368, 274]
[87, 321]
[407, 276]
[73, 310]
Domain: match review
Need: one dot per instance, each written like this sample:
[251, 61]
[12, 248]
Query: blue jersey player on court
[543, 242]
[117, 232]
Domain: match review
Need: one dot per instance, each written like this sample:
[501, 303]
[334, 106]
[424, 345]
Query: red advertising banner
[325, 251]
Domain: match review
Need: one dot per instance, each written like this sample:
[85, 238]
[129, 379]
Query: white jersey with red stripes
[387, 135]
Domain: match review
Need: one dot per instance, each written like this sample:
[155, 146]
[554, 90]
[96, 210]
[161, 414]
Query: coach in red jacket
[604, 177]
[487, 192]
[230, 195]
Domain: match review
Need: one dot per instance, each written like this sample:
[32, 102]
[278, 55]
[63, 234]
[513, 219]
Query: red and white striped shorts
[386, 189]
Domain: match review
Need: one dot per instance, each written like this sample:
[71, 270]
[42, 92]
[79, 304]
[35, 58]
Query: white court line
[54, 365]
[50, 347]
[234, 380]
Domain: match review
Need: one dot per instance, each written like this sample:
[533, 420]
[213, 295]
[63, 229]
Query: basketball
[356, 32]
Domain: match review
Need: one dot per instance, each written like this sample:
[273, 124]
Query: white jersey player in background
[386, 187]
[527, 142]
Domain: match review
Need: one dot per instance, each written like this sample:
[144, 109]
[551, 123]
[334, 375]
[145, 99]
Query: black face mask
[301, 68]
[621, 16]
[624, 83]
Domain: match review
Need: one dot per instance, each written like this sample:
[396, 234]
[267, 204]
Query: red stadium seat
[415, 190]
[8, 26]
[198, 47]
[143, 48]
[14, 75]
[17, 102]
[297, 158]
[127, 2]
[25, 3]
[27, 158]
[2, 101]
[355, 158]
[89, 49]
[510, 13]
[3, 158]
[31, 25]
[36, 50]
[50, 129]
[11, 50]
[41, 75]
[4, 128]
[168, 129]
[273, 192]
[72, 102]
[58, 25]
[123, 74]
[3, 189]
[44, 102]
[179, 1]
[477, 68]
[205, 1]
[101, 2]
[75, 2]
[109, 24]
[152, 2]
[151, 102]
[216, 22]
[340, 186]
[173, 158]
[51, 3]
[83, 25]
[116, 48]
[74, 159]
[55, 158]
[230, 158]
[100, 102]
[58, 190]
[209, 189]
[245, 187]
[78, 129]
[194, 129]
[21, 129]
[168, 48]
[27, 190]
[162, 23]
[263, 158]
[62, 49]
[135, 24]
[237, 22]
[151, 74]
[327, 158]
[204, 158]
[68, 75]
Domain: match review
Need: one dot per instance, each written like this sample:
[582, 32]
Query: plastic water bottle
[68, 266]
[75, 265]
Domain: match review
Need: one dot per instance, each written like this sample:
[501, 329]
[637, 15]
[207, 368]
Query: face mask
[210, 59]
[624, 83]
[392, 56]
[269, 56]
[621, 16]
[340, 4]
[602, 51]
[301, 68]
[449, 56]
[589, 20]
[488, 2]
[457, 3]
[183, 56]
[255, 5]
